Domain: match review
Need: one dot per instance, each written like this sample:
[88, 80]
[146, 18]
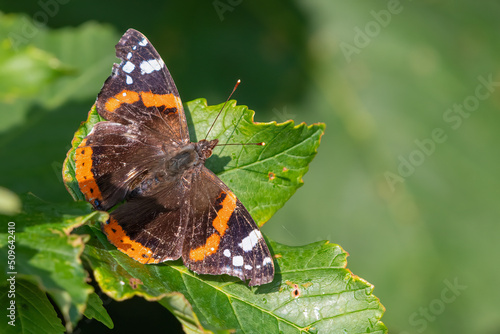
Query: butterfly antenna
[220, 112]
[258, 144]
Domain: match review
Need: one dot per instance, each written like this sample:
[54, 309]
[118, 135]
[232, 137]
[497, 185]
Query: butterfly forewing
[141, 90]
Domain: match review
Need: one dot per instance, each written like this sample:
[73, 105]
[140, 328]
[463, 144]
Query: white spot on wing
[227, 253]
[267, 260]
[148, 66]
[129, 80]
[128, 67]
[134, 47]
[124, 94]
[129, 55]
[144, 42]
[248, 267]
[250, 241]
[237, 261]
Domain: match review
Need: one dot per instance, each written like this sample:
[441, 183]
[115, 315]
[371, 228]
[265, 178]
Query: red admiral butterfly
[175, 207]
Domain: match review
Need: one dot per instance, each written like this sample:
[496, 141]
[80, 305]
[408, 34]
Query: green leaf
[33, 311]
[24, 68]
[178, 305]
[95, 310]
[24, 72]
[50, 67]
[59, 74]
[312, 291]
[88, 51]
[46, 251]
[263, 177]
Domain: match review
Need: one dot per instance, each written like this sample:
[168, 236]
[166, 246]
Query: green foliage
[330, 298]
[54, 67]
[58, 72]
[95, 310]
[312, 291]
[263, 178]
[34, 312]
[48, 253]
[180, 307]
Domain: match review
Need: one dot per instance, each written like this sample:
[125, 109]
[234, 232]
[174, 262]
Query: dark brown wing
[113, 160]
[149, 227]
[221, 236]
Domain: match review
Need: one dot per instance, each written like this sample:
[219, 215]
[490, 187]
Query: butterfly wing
[149, 227]
[141, 90]
[146, 122]
[113, 160]
[221, 236]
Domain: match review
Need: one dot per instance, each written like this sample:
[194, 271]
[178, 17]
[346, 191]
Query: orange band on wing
[125, 96]
[84, 175]
[209, 248]
[118, 237]
[228, 206]
[149, 99]
[157, 100]
[220, 223]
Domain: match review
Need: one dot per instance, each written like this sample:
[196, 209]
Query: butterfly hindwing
[150, 227]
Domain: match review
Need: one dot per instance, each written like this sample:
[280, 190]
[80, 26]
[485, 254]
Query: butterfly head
[205, 148]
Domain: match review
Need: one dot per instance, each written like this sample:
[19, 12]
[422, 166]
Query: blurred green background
[406, 175]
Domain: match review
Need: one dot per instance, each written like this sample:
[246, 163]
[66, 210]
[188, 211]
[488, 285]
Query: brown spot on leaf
[134, 282]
